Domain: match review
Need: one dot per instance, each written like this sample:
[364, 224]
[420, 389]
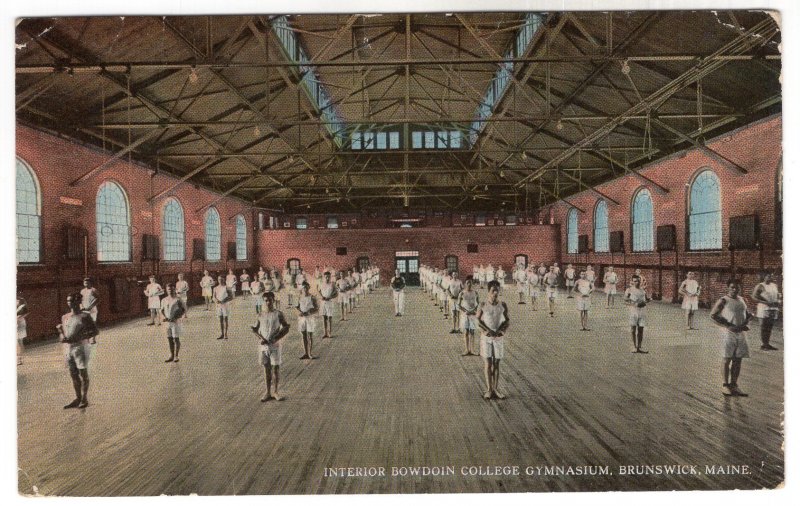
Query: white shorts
[491, 348]
[327, 308]
[172, 329]
[734, 345]
[469, 322]
[77, 355]
[271, 354]
[636, 317]
[154, 302]
[689, 302]
[206, 292]
[584, 303]
[551, 292]
[764, 311]
[610, 289]
[570, 283]
[344, 298]
[245, 286]
[521, 288]
[222, 309]
[533, 291]
[306, 323]
[258, 300]
[185, 299]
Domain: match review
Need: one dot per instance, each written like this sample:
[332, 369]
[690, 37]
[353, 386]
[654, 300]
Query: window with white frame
[213, 236]
[29, 219]
[705, 212]
[241, 238]
[113, 224]
[642, 221]
[572, 231]
[173, 230]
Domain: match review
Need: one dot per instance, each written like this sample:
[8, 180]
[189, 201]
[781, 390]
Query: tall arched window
[241, 238]
[213, 236]
[642, 221]
[173, 230]
[705, 212]
[601, 227]
[572, 231]
[113, 224]
[29, 215]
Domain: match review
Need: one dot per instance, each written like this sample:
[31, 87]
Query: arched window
[705, 212]
[213, 236]
[572, 231]
[113, 224]
[241, 238]
[642, 221]
[601, 227]
[172, 227]
[29, 215]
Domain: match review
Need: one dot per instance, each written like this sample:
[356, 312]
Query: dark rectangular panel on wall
[150, 247]
[583, 243]
[73, 243]
[231, 251]
[198, 249]
[616, 241]
[744, 232]
[472, 248]
[341, 251]
[120, 292]
[665, 238]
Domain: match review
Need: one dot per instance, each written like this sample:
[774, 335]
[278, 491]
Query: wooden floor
[395, 392]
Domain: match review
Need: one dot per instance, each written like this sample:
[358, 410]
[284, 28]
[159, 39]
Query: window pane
[301, 223]
[416, 140]
[394, 140]
[430, 140]
[241, 238]
[28, 219]
[172, 229]
[705, 213]
[333, 223]
[441, 139]
[213, 235]
[455, 139]
[601, 227]
[113, 224]
[355, 140]
[572, 231]
[381, 140]
[642, 221]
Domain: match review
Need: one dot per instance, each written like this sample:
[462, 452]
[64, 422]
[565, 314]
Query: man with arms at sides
[222, 296]
[182, 289]
[551, 289]
[636, 299]
[230, 282]
[610, 280]
[584, 289]
[75, 331]
[153, 292]
[207, 285]
[468, 303]
[344, 298]
[533, 283]
[768, 297]
[730, 313]
[327, 290]
[89, 300]
[493, 320]
[257, 289]
[690, 290]
[569, 277]
[453, 291]
[306, 308]
[270, 329]
[398, 284]
[172, 309]
[521, 279]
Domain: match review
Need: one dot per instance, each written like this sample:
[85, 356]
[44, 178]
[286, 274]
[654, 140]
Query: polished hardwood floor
[395, 392]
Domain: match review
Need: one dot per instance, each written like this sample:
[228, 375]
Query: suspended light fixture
[193, 78]
[559, 125]
[524, 156]
[257, 131]
[626, 68]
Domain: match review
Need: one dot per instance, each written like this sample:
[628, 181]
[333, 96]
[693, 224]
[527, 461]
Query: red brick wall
[56, 162]
[496, 246]
[757, 148]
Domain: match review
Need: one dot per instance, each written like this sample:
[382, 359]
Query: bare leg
[268, 383]
[488, 374]
[276, 371]
[496, 378]
[177, 348]
[85, 390]
[171, 342]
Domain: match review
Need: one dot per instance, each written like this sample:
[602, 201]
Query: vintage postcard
[402, 252]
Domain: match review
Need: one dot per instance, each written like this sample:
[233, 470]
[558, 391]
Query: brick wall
[757, 148]
[496, 246]
[56, 162]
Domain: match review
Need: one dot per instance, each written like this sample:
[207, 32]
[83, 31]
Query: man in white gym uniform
[153, 292]
[328, 293]
[270, 329]
[222, 297]
[454, 289]
[398, 284]
[569, 278]
[584, 289]
[730, 313]
[690, 291]
[493, 321]
[636, 299]
[172, 309]
[468, 303]
[551, 289]
[307, 306]
[610, 280]
[182, 290]
[75, 331]
[206, 286]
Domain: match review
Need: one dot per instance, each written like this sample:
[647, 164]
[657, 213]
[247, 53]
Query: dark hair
[170, 285]
[268, 296]
[493, 283]
[76, 296]
[733, 281]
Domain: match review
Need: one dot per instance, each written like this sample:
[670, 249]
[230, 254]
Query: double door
[408, 265]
